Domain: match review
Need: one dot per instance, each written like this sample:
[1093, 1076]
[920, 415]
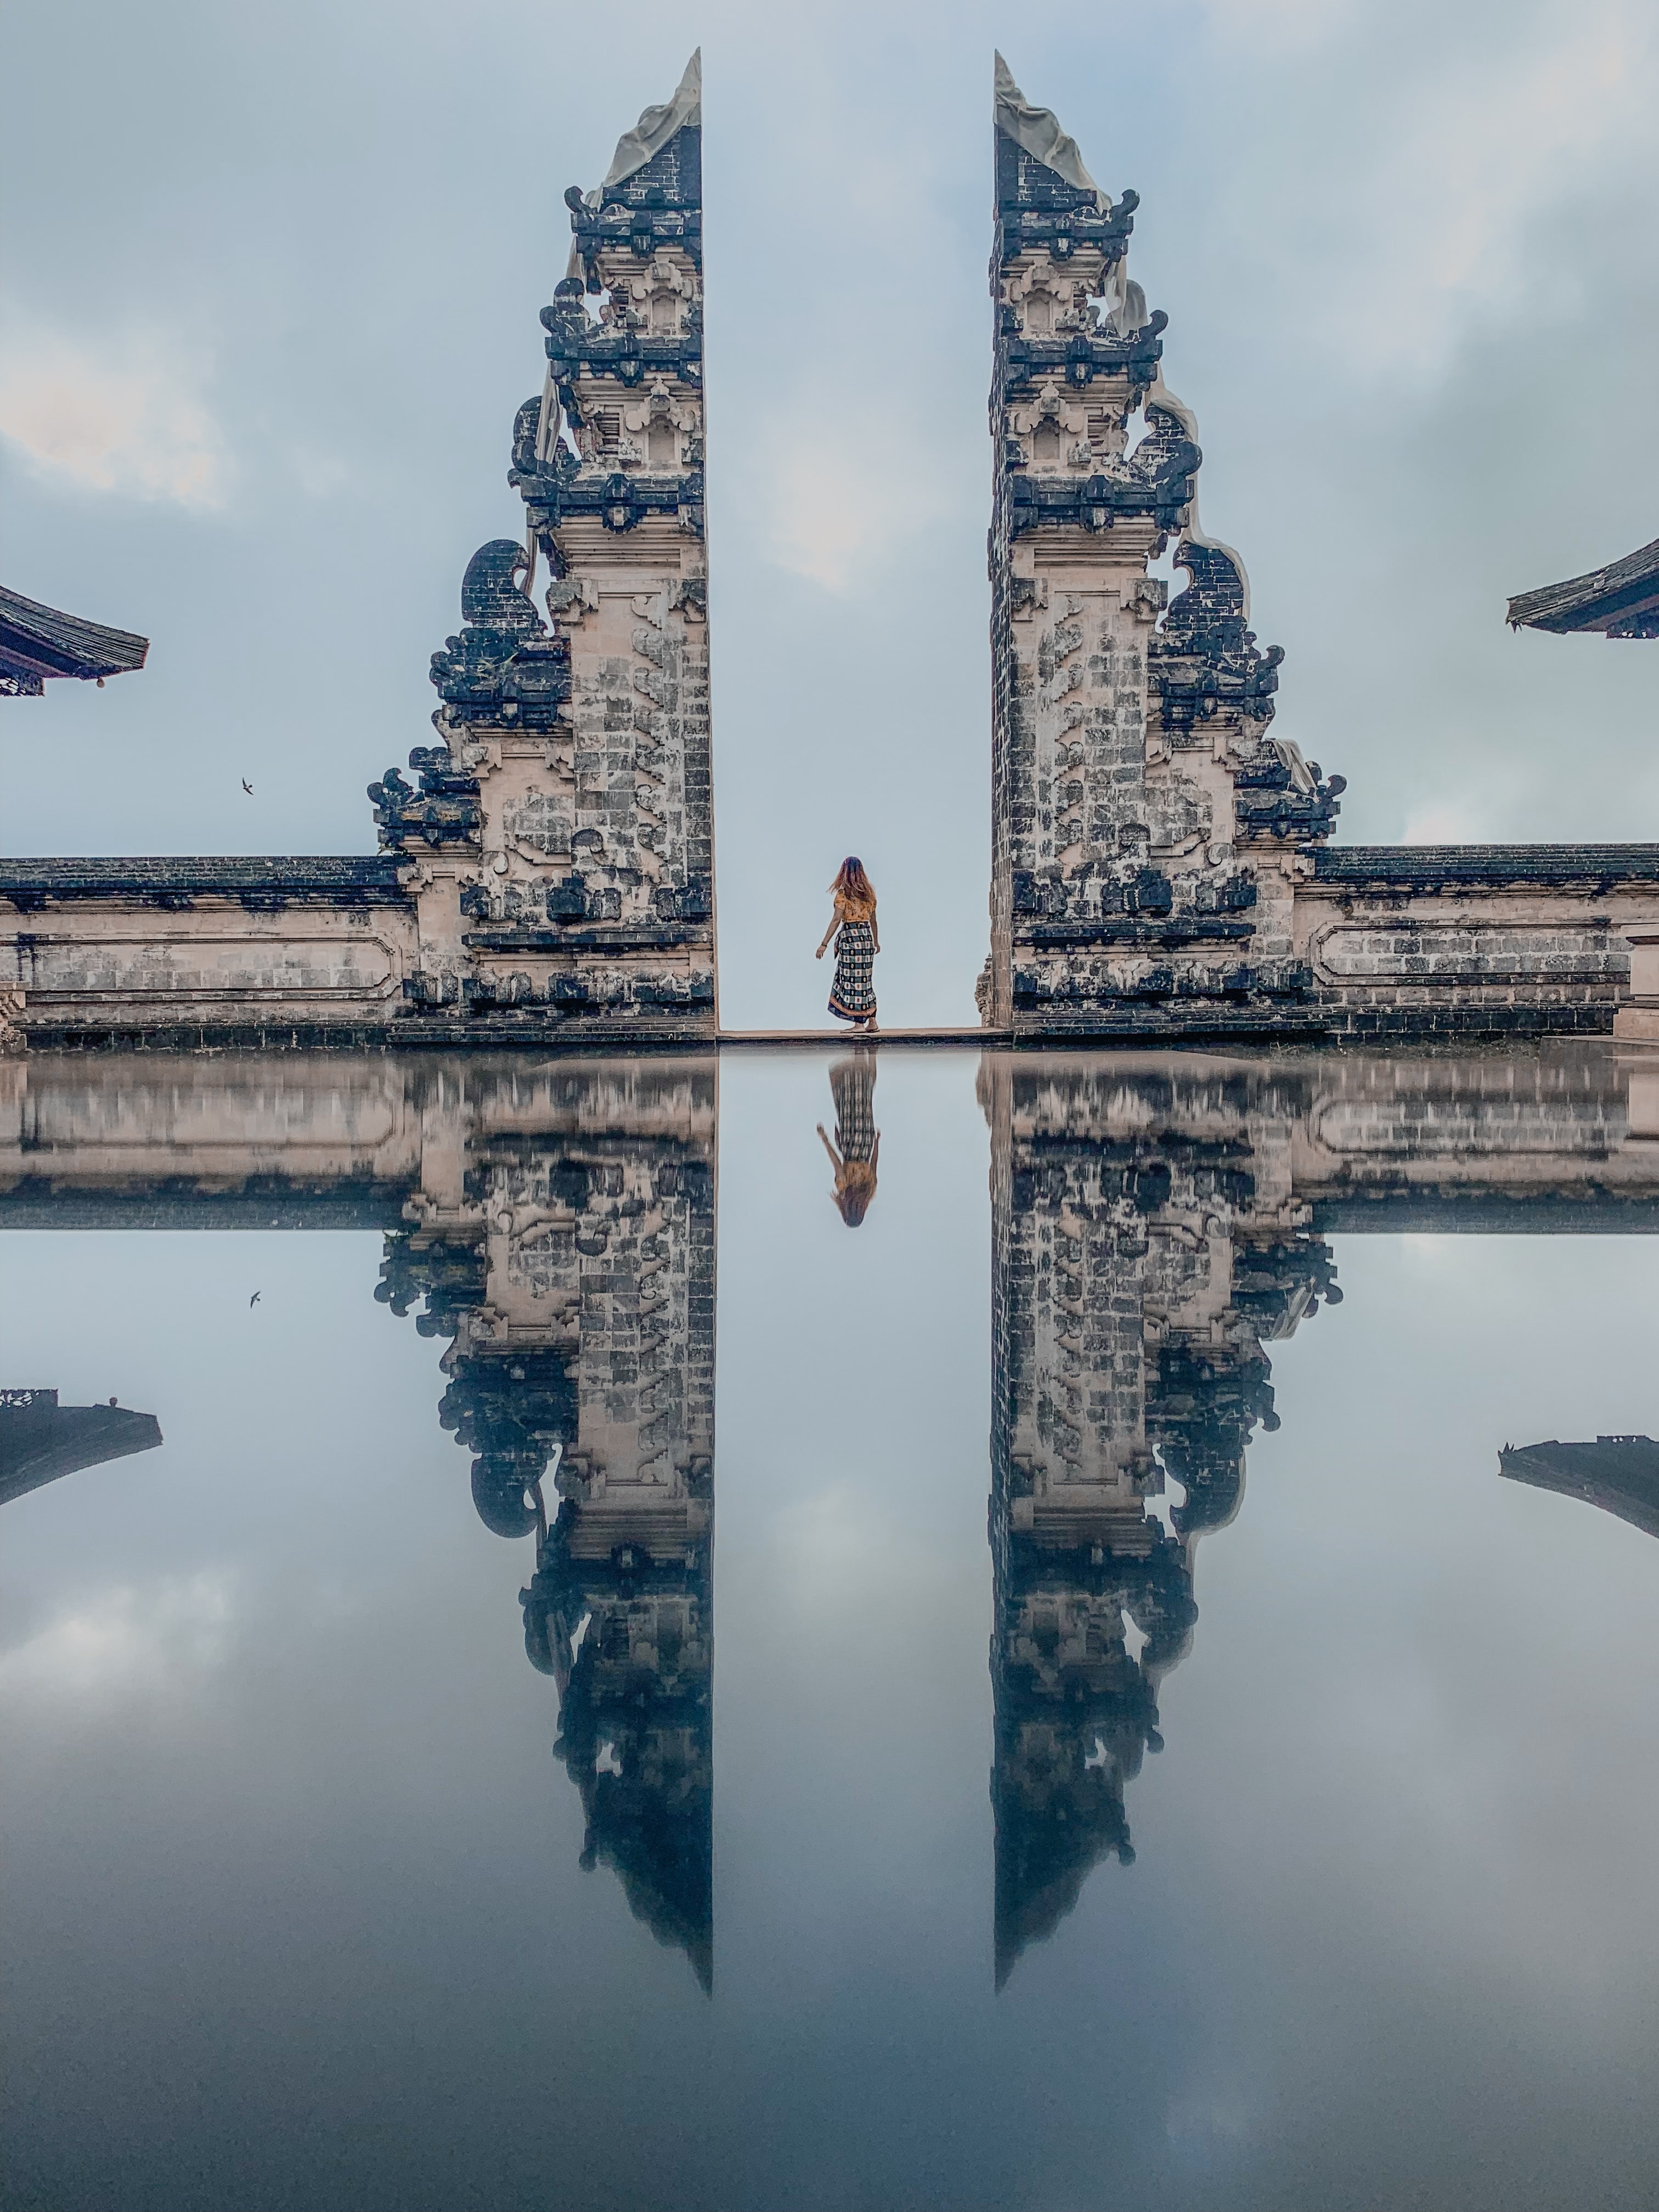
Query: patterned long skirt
[853, 995]
[853, 1086]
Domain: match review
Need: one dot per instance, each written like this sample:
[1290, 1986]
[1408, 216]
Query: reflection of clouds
[123, 1638]
[844, 1552]
[1209, 2123]
[827, 1545]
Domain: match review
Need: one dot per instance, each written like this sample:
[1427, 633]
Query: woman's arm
[835, 1160]
[834, 924]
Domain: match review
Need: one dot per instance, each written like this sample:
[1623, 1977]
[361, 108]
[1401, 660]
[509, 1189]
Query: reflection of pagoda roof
[39, 642]
[1620, 1474]
[39, 1439]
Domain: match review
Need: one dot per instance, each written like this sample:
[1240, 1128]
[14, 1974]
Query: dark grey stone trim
[1194, 929]
[1433, 868]
[1427, 1018]
[1040, 1023]
[348, 880]
[265, 1202]
[1411, 1210]
[603, 940]
[540, 1029]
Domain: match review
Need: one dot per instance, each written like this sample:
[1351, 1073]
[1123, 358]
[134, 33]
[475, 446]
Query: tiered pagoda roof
[39, 642]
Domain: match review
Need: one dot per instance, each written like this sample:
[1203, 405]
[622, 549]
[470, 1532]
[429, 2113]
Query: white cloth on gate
[655, 127]
[1038, 131]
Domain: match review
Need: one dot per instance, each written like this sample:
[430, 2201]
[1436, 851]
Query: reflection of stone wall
[1157, 1221]
[554, 1224]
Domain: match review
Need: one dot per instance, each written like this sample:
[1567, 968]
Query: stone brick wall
[176, 950]
[1495, 940]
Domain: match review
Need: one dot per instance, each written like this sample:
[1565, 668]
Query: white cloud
[844, 491]
[1283, 22]
[1440, 209]
[125, 415]
[1448, 820]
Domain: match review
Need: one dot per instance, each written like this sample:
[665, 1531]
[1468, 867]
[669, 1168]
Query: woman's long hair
[853, 885]
[854, 1195]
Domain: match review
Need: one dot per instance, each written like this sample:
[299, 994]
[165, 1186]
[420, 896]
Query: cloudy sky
[274, 277]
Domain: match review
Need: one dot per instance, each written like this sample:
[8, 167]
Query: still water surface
[1090, 1726]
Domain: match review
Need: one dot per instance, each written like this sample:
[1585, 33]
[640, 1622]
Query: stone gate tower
[1145, 828]
[563, 831]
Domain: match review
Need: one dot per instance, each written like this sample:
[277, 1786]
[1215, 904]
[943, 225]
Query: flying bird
[247, 786]
[253, 1301]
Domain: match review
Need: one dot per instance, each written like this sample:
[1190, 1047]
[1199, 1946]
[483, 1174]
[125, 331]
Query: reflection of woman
[852, 994]
[853, 1083]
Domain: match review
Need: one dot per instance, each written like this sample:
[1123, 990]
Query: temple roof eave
[1620, 600]
[38, 642]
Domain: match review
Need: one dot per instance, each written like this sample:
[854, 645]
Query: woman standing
[852, 994]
